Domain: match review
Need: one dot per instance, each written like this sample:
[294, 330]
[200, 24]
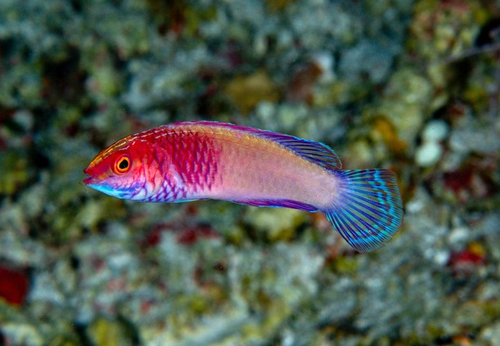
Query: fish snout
[90, 181]
[92, 177]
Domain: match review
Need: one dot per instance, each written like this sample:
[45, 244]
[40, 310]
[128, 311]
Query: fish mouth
[101, 186]
[96, 184]
[90, 178]
[90, 181]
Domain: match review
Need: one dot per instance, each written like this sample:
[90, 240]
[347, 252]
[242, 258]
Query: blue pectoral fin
[368, 211]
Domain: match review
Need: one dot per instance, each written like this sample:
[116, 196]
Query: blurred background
[412, 86]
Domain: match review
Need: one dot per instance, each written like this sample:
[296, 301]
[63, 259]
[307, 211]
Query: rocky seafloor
[412, 86]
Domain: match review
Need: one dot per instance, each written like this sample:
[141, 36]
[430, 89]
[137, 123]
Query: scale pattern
[188, 162]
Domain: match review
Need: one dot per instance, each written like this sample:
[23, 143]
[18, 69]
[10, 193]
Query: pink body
[196, 161]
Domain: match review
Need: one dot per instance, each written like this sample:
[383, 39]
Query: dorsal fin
[315, 152]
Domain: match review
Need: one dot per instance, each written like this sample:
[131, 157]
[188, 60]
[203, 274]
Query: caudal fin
[368, 209]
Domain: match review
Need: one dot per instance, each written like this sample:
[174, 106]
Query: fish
[200, 160]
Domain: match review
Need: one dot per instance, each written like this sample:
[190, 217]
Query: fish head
[120, 170]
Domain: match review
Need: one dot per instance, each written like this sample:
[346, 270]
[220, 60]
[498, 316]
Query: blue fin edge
[368, 210]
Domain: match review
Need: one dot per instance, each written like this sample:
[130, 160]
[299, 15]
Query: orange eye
[122, 165]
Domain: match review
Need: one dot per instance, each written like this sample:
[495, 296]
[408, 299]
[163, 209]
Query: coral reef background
[408, 85]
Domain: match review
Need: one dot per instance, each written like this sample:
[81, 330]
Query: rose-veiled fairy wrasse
[209, 160]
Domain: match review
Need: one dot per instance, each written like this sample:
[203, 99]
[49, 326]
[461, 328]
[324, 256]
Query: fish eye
[122, 165]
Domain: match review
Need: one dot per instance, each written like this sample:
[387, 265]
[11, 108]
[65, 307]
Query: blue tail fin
[368, 210]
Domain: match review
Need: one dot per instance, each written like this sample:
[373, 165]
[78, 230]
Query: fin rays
[368, 210]
[315, 152]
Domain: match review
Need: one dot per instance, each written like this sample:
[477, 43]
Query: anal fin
[277, 203]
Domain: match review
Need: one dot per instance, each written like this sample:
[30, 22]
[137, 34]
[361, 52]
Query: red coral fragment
[300, 88]
[186, 234]
[458, 180]
[191, 236]
[146, 306]
[473, 181]
[467, 261]
[13, 286]
[154, 237]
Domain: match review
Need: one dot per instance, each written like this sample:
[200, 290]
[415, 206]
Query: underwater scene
[391, 237]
